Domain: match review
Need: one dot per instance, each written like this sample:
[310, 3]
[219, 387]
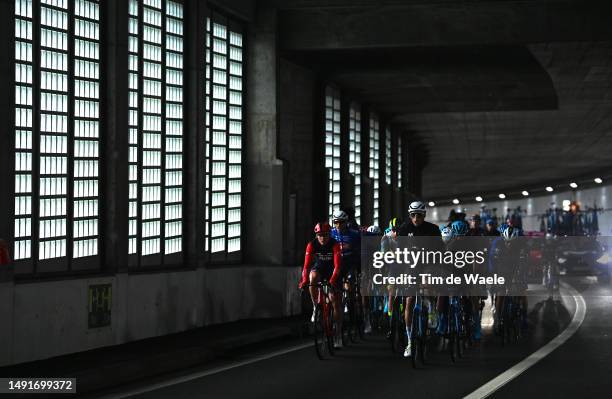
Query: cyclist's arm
[337, 264]
[308, 260]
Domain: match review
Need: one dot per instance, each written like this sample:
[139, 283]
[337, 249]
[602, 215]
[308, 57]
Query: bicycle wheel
[330, 328]
[460, 322]
[398, 332]
[320, 337]
[468, 326]
[346, 321]
[506, 323]
[360, 316]
[415, 338]
[354, 330]
[453, 336]
[518, 321]
[452, 346]
[424, 336]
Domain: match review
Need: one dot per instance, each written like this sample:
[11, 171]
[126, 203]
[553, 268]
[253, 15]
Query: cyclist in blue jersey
[350, 243]
[507, 258]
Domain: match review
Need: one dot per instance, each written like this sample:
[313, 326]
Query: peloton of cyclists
[335, 254]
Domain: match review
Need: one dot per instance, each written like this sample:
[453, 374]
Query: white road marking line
[513, 372]
[205, 373]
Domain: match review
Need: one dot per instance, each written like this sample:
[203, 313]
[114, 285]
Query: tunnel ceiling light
[431, 203]
[598, 180]
[549, 189]
[573, 185]
[525, 193]
[502, 196]
[456, 201]
[479, 198]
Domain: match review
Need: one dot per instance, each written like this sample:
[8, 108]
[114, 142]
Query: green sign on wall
[99, 301]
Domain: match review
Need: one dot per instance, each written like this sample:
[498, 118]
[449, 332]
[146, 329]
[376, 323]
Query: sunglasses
[415, 215]
[323, 235]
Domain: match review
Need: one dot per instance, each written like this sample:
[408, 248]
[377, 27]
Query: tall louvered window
[155, 127]
[57, 131]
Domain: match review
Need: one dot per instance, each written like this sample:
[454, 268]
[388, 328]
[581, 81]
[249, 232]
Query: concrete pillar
[366, 182]
[194, 108]
[7, 179]
[264, 183]
[320, 188]
[115, 138]
[347, 181]
[7, 132]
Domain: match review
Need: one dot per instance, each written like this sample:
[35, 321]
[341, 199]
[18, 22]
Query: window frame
[333, 137]
[355, 140]
[374, 169]
[231, 24]
[33, 267]
[137, 261]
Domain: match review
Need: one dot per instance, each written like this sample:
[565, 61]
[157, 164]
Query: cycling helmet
[509, 233]
[459, 228]
[447, 234]
[417, 207]
[322, 228]
[395, 223]
[374, 229]
[340, 215]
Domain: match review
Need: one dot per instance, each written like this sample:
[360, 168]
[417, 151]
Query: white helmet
[340, 215]
[447, 234]
[374, 229]
[509, 233]
[417, 207]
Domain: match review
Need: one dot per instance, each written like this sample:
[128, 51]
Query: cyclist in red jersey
[323, 261]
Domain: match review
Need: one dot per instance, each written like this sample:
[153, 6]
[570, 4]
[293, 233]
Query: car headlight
[561, 260]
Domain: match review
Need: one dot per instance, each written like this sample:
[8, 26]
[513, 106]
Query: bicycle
[324, 326]
[455, 328]
[353, 324]
[397, 325]
[510, 320]
[377, 314]
[419, 330]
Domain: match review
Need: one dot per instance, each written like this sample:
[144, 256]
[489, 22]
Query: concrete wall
[296, 130]
[535, 206]
[46, 319]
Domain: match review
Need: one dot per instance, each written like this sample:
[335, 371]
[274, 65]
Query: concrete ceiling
[502, 93]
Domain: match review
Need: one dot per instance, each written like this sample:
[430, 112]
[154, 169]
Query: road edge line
[579, 314]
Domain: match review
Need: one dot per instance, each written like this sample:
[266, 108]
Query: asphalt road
[370, 370]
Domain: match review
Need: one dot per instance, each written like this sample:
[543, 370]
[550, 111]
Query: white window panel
[223, 141]
[375, 162]
[399, 161]
[355, 155]
[156, 159]
[388, 155]
[332, 147]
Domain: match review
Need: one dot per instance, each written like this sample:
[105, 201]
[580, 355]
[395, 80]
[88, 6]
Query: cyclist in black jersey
[416, 226]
